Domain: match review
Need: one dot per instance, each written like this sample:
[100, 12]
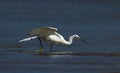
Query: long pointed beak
[84, 41]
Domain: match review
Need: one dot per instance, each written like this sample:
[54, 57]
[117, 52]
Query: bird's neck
[69, 42]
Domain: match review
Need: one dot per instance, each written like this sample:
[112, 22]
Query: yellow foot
[40, 50]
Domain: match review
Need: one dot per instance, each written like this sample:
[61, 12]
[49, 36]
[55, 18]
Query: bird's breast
[54, 38]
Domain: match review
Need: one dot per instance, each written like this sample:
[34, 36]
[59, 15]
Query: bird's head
[78, 37]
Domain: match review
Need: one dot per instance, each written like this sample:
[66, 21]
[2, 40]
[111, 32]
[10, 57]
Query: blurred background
[92, 20]
[96, 21]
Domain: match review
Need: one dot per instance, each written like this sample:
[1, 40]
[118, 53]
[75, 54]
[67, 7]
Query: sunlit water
[95, 21]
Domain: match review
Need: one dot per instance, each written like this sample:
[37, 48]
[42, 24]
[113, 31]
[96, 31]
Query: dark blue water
[95, 21]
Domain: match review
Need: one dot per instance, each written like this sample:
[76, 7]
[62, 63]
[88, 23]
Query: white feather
[28, 39]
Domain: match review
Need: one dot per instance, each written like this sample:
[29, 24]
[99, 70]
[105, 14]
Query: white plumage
[50, 34]
[28, 39]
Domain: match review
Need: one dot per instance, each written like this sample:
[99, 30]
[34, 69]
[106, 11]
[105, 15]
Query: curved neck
[63, 41]
[69, 42]
[71, 39]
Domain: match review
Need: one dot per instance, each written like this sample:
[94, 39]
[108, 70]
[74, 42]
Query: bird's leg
[41, 49]
[51, 47]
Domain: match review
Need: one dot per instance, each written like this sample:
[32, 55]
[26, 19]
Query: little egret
[50, 34]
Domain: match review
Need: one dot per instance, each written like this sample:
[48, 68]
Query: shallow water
[95, 21]
[15, 61]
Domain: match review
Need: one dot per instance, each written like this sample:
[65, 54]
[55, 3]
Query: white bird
[50, 34]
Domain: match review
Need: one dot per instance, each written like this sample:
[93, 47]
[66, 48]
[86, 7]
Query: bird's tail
[28, 39]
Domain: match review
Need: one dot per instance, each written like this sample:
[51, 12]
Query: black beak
[83, 41]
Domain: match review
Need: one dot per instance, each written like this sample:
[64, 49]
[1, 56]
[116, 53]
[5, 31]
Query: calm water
[95, 21]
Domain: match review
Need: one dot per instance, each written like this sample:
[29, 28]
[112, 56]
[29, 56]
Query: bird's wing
[43, 31]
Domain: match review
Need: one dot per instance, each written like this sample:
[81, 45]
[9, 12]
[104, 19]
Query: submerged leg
[41, 49]
[51, 47]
